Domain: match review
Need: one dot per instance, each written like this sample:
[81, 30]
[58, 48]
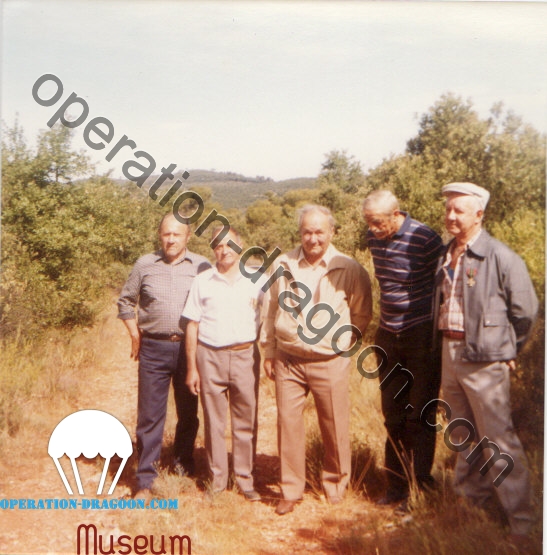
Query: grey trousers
[479, 393]
[229, 379]
[328, 382]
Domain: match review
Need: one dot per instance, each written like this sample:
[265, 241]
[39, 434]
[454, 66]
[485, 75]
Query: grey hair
[479, 203]
[219, 229]
[382, 199]
[309, 208]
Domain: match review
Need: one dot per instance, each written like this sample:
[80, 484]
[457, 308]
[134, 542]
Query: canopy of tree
[66, 244]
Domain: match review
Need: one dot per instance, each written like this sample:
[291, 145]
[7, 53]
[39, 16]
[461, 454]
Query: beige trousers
[229, 379]
[328, 381]
[479, 393]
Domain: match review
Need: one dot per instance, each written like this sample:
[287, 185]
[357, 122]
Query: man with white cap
[486, 306]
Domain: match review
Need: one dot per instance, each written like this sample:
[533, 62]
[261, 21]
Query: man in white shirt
[223, 361]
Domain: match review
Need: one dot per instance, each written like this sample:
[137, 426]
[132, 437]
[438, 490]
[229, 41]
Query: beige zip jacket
[324, 330]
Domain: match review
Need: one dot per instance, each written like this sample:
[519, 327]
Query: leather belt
[234, 347]
[173, 337]
[449, 334]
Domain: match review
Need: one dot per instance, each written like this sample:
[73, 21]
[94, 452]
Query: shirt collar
[468, 246]
[325, 260]
[187, 256]
[215, 274]
[404, 226]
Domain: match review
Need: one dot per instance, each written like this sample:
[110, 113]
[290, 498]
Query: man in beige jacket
[317, 306]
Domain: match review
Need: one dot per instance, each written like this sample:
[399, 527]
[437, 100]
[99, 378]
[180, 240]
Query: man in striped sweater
[405, 254]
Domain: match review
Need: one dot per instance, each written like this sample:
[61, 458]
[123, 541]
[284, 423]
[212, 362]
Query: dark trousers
[159, 363]
[409, 380]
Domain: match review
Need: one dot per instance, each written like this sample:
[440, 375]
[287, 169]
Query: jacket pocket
[493, 319]
[496, 333]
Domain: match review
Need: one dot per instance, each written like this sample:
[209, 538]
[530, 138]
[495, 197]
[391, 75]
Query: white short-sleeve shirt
[228, 313]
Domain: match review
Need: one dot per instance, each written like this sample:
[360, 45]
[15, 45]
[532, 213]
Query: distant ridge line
[233, 190]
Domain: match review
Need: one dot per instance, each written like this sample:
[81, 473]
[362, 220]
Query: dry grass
[92, 370]
[38, 380]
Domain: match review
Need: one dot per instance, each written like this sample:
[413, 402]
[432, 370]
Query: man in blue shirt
[405, 254]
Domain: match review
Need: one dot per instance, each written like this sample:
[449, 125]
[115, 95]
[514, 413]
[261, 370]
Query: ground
[225, 525]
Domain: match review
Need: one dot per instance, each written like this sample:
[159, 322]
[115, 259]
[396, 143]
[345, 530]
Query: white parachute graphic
[88, 433]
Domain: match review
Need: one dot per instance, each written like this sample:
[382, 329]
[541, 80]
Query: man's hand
[135, 335]
[135, 346]
[192, 381]
[269, 368]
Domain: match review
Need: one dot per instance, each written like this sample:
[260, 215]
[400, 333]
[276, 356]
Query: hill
[233, 190]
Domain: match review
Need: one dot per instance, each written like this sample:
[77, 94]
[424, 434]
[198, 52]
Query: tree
[56, 162]
[453, 141]
[341, 172]
[500, 153]
[64, 244]
[18, 161]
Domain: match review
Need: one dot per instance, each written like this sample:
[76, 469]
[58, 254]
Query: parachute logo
[88, 433]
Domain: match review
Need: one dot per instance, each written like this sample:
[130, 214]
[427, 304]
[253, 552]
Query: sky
[269, 88]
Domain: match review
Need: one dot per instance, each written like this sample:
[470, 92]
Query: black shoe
[252, 495]
[403, 508]
[428, 485]
[391, 499]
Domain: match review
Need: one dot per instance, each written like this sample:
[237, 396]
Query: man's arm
[192, 314]
[192, 377]
[433, 249]
[522, 299]
[267, 331]
[360, 300]
[129, 297]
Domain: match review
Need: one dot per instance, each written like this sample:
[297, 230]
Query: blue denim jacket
[500, 304]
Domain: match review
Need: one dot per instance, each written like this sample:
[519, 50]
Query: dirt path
[111, 385]
[227, 526]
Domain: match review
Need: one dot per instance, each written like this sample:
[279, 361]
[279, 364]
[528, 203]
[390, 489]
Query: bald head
[173, 237]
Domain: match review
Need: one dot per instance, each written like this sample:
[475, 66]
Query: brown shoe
[285, 506]
[145, 494]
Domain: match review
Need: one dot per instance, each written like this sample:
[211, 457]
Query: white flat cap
[468, 189]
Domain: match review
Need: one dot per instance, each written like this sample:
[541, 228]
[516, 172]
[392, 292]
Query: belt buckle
[173, 338]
